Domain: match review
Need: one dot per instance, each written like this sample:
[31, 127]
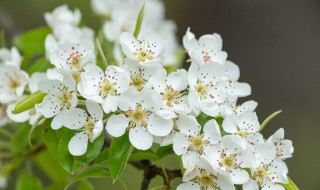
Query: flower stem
[290, 186]
[103, 57]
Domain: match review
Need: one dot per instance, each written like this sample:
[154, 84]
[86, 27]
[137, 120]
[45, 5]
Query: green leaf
[32, 42]
[85, 185]
[119, 154]
[290, 186]
[92, 172]
[40, 65]
[29, 102]
[68, 161]
[268, 119]
[51, 141]
[139, 22]
[103, 157]
[19, 142]
[164, 151]
[93, 149]
[143, 155]
[28, 182]
[53, 170]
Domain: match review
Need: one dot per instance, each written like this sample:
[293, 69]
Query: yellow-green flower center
[171, 96]
[206, 180]
[197, 143]
[107, 88]
[138, 116]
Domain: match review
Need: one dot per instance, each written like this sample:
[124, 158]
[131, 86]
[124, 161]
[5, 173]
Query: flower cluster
[139, 97]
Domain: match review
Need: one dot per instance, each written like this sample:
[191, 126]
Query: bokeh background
[276, 43]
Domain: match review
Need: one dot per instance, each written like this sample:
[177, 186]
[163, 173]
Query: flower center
[206, 57]
[14, 82]
[206, 180]
[197, 143]
[201, 89]
[88, 128]
[261, 174]
[138, 116]
[138, 81]
[74, 60]
[144, 53]
[65, 98]
[242, 134]
[171, 96]
[229, 162]
[107, 88]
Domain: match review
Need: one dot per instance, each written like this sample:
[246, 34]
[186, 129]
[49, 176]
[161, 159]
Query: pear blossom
[140, 77]
[208, 49]
[73, 56]
[244, 124]
[30, 115]
[88, 127]
[284, 148]
[104, 87]
[267, 177]
[172, 88]
[204, 92]
[231, 158]
[191, 143]
[61, 96]
[104, 7]
[62, 15]
[203, 177]
[10, 57]
[146, 50]
[140, 117]
[12, 83]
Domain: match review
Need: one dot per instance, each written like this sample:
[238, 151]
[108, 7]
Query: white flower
[62, 15]
[61, 96]
[284, 148]
[230, 85]
[104, 87]
[12, 83]
[231, 158]
[244, 124]
[172, 90]
[89, 127]
[202, 177]
[104, 7]
[204, 93]
[146, 50]
[207, 50]
[139, 117]
[191, 143]
[140, 76]
[266, 177]
[73, 56]
[30, 115]
[10, 57]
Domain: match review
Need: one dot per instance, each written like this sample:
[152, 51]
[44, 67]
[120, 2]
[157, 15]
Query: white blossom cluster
[139, 97]
[121, 16]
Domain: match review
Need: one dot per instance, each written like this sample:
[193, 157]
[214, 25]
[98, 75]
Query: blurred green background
[276, 43]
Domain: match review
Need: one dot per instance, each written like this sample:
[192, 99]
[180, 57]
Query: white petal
[94, 109]
[34, 79]
[265, 153]
[248, 105]
[188, 124]
[189, 40]
[110, 104]
[129, 98]
[78, 144]
[49, 107]
[97, 130]
[117, 125]
[180, 144]
[233, 143]
[250, 185]
[190, 159]
[21, 117]
[239, 176]
[229, 124]
[140, 138]
[211, 131]
[189, 186]
[178, 80]
[224, 183]
[158, 126]
[183, 107]
[57, 121]
[74, 118]
[272, 186]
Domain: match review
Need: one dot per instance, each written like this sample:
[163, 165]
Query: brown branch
[151, 171]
